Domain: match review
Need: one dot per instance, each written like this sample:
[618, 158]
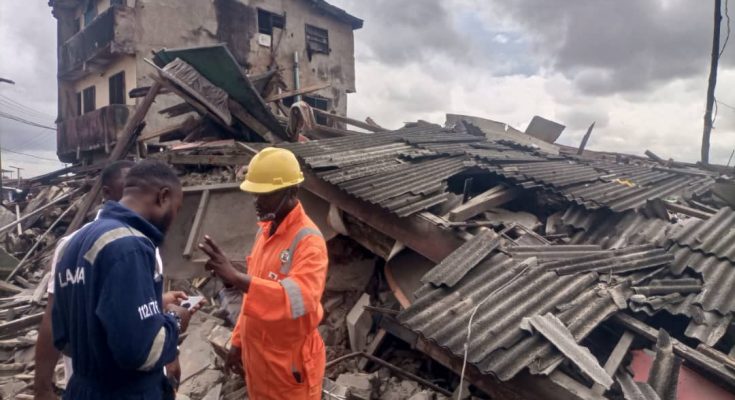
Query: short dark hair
[113, 171]
[152, 174]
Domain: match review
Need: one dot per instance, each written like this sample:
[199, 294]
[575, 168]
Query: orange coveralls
[282, 351]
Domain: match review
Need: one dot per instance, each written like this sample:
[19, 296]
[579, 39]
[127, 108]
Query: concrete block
[359, 385]
[359, 323]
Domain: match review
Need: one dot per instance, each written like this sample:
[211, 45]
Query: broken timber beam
[494, 197]
[297, 92]
[686, 210]
[251, 122]
[121, 148]
[692, 356]
[416, 231]
[615, 358]
[15, 326]
[586, 137]
[348, 121]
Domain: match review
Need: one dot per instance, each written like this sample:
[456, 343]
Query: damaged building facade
[103, 44]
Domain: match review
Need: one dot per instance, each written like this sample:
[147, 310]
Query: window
[268, 20]
[78, 110]
[90, 12]
[317, 40]
[88, 99]
[320, 103]
[117, 88]
[117, 2]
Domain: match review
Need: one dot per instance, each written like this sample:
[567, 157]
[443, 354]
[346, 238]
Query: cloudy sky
[637, 68]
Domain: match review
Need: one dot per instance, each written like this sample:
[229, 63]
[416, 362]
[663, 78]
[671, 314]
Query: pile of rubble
[466, 260]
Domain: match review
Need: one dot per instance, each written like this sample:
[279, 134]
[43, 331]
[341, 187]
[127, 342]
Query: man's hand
[183, 313]
[173, 297]
[233, 362]
[218, 262]
[173, 372]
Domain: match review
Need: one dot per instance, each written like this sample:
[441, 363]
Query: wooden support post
[127, 138]
[616, 358]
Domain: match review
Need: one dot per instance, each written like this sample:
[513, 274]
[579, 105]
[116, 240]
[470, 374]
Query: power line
[25, 121]
[727, 37]
[27, 109]
[27, 155]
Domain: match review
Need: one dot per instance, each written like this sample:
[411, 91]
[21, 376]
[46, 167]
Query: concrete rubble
[432, 229]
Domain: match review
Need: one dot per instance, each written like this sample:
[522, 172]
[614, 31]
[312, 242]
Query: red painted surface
[692, 386]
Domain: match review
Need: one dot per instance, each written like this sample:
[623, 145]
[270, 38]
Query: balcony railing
[95, 131]
[109, 34]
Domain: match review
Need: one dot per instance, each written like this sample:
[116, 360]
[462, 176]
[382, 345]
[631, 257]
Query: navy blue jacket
[107, 309]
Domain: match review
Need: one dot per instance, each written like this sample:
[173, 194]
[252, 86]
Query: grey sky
[638, 68]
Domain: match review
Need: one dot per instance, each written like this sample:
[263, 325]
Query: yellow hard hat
[272, 169]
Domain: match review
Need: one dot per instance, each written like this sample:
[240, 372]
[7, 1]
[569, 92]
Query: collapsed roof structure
[528, 269]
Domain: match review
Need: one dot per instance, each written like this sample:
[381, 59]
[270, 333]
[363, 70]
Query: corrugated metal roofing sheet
[456, 266]
[628, 259]
[615, 230]
[715, 236]
[555, 332]
[504, 291]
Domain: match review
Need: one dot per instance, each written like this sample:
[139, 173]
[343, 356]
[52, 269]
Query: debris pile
[465, 260]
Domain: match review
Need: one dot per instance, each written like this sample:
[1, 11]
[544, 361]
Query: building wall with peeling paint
[188, 23]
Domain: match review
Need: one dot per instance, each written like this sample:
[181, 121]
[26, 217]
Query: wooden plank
[373, 347]
[15, 326]
[348, 121]
[686, 210]
[196, 225]
[246, 118]
[129, 132]
[696, 358]
[494, 197]
[9, 287]
[616, 358]
[297, 92]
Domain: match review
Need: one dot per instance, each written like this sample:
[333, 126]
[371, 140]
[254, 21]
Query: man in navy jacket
[107, 311]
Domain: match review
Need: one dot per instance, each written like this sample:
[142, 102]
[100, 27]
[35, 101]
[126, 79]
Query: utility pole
[17, 173]
[712, 83]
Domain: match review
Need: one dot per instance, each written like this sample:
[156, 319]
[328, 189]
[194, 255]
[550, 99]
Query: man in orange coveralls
[276, 336]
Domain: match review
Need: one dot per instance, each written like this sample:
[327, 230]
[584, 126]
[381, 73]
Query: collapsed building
[469, 258]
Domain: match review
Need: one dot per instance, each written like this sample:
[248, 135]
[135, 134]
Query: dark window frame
[89, 99]
[116, 84]
[268, 20]
[317, 40]
[78, 111]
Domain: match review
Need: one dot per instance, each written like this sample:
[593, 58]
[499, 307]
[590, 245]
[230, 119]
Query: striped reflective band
[293, 292]
[156, 350]
[286, 265]
[107, 238]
